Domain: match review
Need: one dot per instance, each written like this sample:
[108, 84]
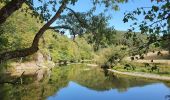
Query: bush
[112, 54]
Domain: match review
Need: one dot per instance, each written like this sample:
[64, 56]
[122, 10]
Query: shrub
[112, 54]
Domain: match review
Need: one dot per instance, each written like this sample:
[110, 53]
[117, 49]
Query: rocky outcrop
[38, 67]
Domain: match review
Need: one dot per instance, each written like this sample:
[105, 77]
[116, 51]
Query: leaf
[125, 20]
[150, 30]
[155, 8]
[147, 17]
[156, 44]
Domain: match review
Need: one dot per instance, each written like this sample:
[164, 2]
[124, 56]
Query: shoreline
[143, 75]
[157, 59]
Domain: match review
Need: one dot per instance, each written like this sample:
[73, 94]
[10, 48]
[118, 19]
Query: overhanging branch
[82, 23]
[34, 47]
[64, 27]
[9, 9]
[59, 27]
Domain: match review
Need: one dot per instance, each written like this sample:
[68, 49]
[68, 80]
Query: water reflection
[77, 82]
[75, 91]
[167, 97]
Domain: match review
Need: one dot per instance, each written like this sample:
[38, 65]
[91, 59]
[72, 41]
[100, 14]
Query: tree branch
[83, 24]
[34, 47]
[65, 27]
[47, 25]
[10, 8]
[156, 22]
[59, 27]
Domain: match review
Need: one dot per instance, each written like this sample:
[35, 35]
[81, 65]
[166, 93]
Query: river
[79, 82]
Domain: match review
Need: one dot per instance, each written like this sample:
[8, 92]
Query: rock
[40, 74]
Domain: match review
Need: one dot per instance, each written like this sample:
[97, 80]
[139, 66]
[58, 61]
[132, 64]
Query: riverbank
[26, 69]
[141, 74]
[38, 67]
[152, 57]
[31, 67]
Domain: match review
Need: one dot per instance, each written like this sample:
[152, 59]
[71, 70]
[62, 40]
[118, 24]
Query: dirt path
[143, 75]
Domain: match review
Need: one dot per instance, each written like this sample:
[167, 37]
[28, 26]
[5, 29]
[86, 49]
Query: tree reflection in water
[167, 97]
[95, 79]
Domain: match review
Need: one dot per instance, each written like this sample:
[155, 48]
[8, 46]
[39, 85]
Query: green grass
[164, 70]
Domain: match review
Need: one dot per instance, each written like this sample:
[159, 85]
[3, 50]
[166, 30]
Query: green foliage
[155, 23]
[19, 30]
[96, 26]
[116, 52]
[85, 49]
[141, 67]
[63, 48]
[4, 66]
[43, 11]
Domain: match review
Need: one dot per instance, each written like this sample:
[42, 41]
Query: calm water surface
[75, 91]
[78, 82]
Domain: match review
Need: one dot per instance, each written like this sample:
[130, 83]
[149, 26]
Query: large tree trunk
[10, 8]
[34, 48]
[18, 53]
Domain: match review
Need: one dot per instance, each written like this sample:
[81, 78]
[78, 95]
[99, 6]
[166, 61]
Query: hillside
[20, 28]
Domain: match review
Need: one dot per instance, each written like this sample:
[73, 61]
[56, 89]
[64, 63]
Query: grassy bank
[160, 69]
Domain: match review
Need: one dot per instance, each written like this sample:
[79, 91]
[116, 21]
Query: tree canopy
[50, 13]
[43, 10]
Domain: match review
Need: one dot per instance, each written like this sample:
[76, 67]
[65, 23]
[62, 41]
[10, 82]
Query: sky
[117, 16]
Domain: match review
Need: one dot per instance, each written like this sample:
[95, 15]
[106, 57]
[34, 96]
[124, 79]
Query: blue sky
[117, 16]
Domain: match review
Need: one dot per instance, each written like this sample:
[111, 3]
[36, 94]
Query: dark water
[78, 82]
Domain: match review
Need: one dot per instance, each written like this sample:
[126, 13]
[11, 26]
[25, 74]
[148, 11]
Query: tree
[155, 24]
[9, 8]
[45, 12]
[95, 26]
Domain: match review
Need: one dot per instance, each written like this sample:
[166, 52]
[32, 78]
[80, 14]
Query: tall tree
[45, 12]
[96, 27]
